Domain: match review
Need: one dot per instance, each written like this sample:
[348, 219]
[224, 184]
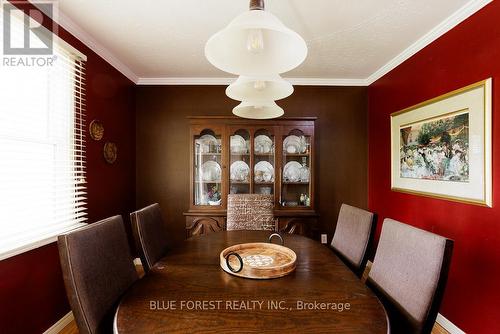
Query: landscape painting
[436, 149]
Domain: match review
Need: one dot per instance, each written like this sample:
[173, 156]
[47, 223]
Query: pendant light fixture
[259, 89]
[256, 43]
[263, 110]
[258, 47]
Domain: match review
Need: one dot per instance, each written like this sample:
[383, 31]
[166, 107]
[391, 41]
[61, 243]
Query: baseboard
[448, 325]
[59, 326]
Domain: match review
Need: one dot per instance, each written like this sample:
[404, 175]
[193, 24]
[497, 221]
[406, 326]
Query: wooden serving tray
[258, 260]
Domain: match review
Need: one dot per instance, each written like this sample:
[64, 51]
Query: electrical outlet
[324, 239]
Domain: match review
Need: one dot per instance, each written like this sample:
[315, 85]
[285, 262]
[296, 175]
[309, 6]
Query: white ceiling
[349, 42]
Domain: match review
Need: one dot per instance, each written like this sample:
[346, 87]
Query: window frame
[49, 234]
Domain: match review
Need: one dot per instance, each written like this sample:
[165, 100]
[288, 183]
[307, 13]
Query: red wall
[468, 53]
[32, 295]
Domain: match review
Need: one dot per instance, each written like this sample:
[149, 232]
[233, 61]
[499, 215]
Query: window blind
[42, 145]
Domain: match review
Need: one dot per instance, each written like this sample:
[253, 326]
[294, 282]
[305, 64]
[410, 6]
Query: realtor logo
[36, 40]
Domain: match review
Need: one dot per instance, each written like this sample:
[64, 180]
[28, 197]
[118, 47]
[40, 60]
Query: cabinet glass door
[207, 166]
[264, 172]
[240, 174]
[296, 173]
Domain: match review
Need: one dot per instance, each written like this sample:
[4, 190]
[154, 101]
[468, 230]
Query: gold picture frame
[441, 148]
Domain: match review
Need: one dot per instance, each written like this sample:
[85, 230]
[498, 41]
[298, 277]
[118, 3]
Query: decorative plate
[211, 171]
[207, 141]
[110, 152]
[264, 172]
[263, 144]
[293, 144]
[238, 144]
[96, 130]
[292, 171]
[240, 171]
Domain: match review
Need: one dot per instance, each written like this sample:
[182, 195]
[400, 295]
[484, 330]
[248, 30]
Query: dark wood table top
[188, 292]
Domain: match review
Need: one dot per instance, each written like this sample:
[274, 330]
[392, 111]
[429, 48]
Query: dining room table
[187, 291]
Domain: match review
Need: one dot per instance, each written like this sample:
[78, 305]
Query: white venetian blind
[42, 146]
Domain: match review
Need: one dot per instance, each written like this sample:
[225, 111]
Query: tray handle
[239, 259]
[276, 235]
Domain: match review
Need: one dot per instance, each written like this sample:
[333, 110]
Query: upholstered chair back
[409, 275]
[353, 235]
[150, 234]
[97, 268]
[250, 212]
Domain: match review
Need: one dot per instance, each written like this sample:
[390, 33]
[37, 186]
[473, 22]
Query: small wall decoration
[96, 130]
[442, 147]
[110, 152]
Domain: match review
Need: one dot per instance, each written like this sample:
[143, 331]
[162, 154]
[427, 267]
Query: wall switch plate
[324, 239]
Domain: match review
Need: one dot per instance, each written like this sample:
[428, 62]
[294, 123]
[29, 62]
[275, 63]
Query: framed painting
[442, 147]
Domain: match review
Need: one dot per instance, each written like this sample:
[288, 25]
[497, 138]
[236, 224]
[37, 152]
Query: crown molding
[227, 81]
[449, 23]
[326, 82]
[184, 81]
[69, 25]
[95, 46]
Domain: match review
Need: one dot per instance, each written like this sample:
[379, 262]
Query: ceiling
[350, 42]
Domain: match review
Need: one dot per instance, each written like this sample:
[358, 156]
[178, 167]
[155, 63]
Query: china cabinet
[230, 155]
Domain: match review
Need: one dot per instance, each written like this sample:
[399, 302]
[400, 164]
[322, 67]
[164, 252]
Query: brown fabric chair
[250, 212]
[150, 235]
[97, 269]
[409, 275]
[353, 236]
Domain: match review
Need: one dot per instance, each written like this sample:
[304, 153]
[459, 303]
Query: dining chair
[150, 234]
[97, 268]
[250, 212]
[353, 236]
[409, 275]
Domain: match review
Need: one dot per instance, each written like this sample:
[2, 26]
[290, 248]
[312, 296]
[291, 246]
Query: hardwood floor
[72, 329]
[439, 330]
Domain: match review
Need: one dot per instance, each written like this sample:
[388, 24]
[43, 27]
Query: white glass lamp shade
[256, 43]
[259, 89]
[253, 110]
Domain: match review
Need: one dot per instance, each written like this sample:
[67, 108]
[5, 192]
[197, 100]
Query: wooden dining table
[188, 292]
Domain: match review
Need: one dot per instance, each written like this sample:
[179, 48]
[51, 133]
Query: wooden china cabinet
[234, 155]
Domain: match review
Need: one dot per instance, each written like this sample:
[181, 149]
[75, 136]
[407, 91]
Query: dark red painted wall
[32, 296]
[468, 53]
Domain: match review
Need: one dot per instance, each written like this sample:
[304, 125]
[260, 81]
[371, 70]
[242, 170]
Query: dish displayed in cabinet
[208, 144]
[294, 144]
[210, 171]
[295, 172]
[239, 171]
[263, 144]
[264, 172]
[238, 145]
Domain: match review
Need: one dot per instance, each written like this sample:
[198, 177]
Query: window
[42, 145]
